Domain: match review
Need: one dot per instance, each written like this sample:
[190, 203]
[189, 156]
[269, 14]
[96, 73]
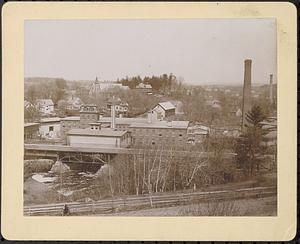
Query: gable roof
[167, 105]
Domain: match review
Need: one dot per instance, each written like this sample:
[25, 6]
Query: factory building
[95, 136]
[90, 129]
[159, 133]
[121, 123]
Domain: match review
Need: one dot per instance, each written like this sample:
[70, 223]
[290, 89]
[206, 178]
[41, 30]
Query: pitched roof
[167, 105]
[104, 132]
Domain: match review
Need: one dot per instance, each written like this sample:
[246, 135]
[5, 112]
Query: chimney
[120, 115]
[113, 114]
[246, 91]
[271, 89]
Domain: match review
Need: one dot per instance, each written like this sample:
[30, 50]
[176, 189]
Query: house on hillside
[45, 106]
[121, 107]
[144, 87]
[73, 103]
[214, 103]
[163, 110]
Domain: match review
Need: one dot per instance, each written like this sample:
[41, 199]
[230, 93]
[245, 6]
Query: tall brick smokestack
[271, 89]
[246, 91]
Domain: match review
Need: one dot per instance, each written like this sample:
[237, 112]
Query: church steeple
[95, 87]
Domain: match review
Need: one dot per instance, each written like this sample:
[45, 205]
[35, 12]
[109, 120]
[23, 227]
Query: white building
[50, 128]
[95, 136]
[45, 106]
[98, 86]
[144, 87]
[163, 110]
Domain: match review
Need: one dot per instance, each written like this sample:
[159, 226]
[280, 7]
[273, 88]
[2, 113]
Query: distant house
[45, 106]
[214, 103]
[121, 107]
[163, 110]
[73, 103]
[144, 87]
[197, 133]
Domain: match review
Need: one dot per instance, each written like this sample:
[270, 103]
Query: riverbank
[38, 193]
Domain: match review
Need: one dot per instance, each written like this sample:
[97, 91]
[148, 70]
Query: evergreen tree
[250, 148]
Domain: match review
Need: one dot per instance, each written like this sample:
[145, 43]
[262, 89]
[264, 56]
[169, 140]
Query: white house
[45, 106]
[144, 87]
[163, 110]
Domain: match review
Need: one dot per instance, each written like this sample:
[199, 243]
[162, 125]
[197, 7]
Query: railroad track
[104, 206]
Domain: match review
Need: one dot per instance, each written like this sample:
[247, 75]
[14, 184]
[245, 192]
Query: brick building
[159, 133]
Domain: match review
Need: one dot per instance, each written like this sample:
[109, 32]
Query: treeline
[157, 82]
[55, 90]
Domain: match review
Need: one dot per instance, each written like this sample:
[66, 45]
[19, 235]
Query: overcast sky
[201, 51]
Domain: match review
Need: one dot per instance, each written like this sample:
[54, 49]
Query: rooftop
[167, 105]
[30, 124]
[123, 120]
[52, 119]
[104, 132]
[162, 125]
[71, 118]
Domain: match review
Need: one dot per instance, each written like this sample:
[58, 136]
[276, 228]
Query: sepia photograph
[150, 117]
[146, 121]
